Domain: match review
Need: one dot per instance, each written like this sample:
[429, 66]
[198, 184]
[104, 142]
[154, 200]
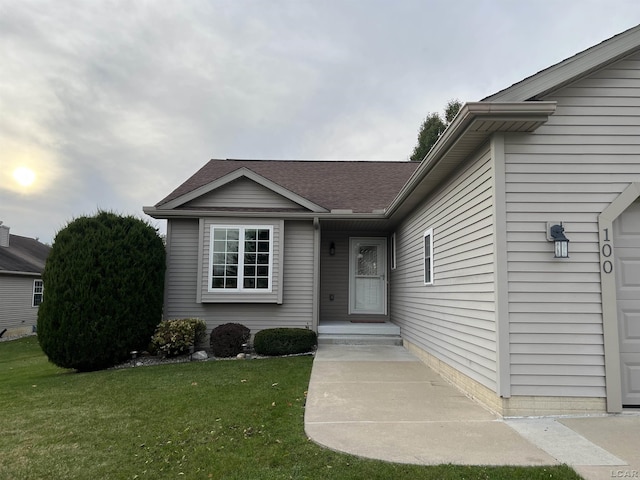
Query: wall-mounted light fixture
[332, 249]
[555, 234]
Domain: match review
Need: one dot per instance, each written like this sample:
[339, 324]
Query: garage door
[627, 255]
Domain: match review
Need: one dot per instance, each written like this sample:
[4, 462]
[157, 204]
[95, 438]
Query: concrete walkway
[382, 402]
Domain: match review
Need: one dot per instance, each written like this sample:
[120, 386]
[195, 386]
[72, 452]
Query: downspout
[500, 268]
[315, 311]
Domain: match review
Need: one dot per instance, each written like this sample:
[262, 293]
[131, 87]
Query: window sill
[239, 297]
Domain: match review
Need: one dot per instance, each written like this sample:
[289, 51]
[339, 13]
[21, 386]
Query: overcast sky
[112, 104]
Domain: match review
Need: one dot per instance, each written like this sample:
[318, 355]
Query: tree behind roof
[431, 129]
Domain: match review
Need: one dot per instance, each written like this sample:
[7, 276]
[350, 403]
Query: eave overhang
[21, 274]
[472, 126]
[164, 213]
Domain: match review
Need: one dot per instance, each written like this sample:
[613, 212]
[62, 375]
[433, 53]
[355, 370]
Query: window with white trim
[38, 292]
[241, 258]
[428, 257]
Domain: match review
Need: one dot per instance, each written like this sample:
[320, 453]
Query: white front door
[627, 268]
[367, 276]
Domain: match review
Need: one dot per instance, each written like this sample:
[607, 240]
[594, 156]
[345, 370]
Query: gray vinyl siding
[242, 193]
[182, 272]
[334, 277]
[569, 170]
[16, 300]
[453, 319]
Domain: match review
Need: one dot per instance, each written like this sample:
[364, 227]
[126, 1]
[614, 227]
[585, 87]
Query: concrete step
[348, 328]
[356, 339]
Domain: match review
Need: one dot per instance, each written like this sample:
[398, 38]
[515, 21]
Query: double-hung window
[428, 257]
[38, 292]
[241, 258]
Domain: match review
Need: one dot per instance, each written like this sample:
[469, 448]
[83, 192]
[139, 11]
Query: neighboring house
[455, 250]
[22, 261]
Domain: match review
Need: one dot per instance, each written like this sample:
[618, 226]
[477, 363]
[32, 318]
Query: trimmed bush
[284, 341]
[176, 337]
[227, 340]
[104, 279]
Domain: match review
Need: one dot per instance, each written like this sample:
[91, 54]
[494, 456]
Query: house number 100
[607, 251]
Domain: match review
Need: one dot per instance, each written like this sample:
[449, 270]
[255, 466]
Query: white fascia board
[236, 174]
[571, 69]
[507, 111]
[162, 213]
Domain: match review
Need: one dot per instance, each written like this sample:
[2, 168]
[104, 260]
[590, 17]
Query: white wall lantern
[555, 234]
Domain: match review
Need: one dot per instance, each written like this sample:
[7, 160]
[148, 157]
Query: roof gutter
[503, 114]
[161, 213]
[21, 273]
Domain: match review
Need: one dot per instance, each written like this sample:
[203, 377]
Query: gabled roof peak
[571, 69]
[363, 186]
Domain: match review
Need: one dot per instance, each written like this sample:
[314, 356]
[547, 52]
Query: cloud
[115, 103]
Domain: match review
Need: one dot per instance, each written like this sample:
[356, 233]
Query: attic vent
[4, 235]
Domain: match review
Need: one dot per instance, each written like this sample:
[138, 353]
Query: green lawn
[219, 419]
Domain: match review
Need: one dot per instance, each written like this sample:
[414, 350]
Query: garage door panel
[629, 331]
[628, 273]
[627, 268]
[631, 377]
[627, 227]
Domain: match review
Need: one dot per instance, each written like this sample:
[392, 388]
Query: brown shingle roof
[359, 186]
[23, 255]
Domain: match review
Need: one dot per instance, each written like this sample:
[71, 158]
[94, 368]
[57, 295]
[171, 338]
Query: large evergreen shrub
[104, 282]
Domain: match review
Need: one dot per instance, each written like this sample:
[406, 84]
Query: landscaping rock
[199, 355]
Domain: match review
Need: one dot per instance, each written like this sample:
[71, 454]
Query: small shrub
[175, 337]
[227, 340]
[284, 341]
